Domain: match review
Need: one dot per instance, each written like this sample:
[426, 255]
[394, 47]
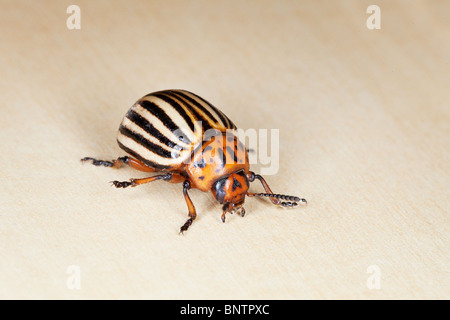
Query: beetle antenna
[290, 201]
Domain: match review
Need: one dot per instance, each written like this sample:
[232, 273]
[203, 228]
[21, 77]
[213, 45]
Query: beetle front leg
[192, 213]
[225, 210]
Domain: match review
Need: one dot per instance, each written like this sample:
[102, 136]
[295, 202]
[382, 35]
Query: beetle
[187, 140]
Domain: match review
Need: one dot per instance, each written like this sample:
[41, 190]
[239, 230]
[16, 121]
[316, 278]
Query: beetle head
[231, 190]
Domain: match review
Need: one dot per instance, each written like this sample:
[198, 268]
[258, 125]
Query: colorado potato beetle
[187, 140]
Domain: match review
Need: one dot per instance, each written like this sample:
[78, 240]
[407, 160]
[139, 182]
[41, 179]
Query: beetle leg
[192, 213]
[225, 209]
[137, 182]
[223, 216]
[119, 162]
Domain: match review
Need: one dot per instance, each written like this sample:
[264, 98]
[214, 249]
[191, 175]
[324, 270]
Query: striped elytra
[161, 128]
[187, 140]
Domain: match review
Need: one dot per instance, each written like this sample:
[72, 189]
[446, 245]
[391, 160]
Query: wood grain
[364, 135]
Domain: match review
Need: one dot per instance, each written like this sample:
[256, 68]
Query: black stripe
[236, 184]
[197, 115]
[202, 108]
[140, 158]
[200, 164]
[176, 106]
[150, 129]
[209, 115]
[204, 121]
[165, 119]
[232, 125]
[228, 123]
[146, 144]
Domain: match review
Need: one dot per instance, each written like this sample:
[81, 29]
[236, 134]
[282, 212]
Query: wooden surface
[364, 135]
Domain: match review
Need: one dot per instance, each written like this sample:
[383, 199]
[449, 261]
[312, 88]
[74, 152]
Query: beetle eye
[219, 188]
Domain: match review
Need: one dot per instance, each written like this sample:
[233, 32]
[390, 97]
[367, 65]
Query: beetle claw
[186, 225]
[122, 184]
[96, 162]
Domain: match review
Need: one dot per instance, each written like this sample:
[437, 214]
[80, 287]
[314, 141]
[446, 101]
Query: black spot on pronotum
[236, 184]
[201, 177]
[200, 164]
